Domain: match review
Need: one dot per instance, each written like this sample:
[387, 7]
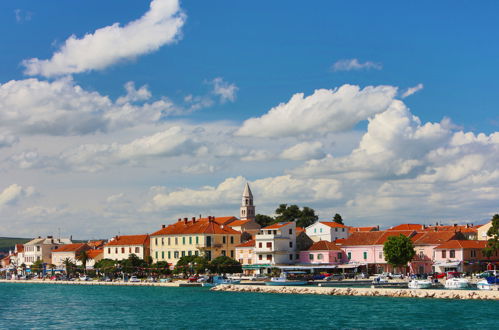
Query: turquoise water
[49, 306]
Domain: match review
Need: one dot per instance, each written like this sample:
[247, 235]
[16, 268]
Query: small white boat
[283, 280]
[419, 284]
[380, 280]
[457, 283]
[216, 280]
[484, 285]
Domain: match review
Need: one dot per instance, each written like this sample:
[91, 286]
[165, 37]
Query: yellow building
[208, 237]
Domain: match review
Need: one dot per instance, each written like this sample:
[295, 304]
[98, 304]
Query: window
[297, 256]
[320, 230]
[340, 255]
[232, 240]
[421, 255]
[122, 250]
[311, 256]
[349, 254]
[176, 240]
[169, 241]
[197, 239]
[175, 254]
[473, 253]
[260, 245]
[190, 239]
[156, 253]
[444, 254]
[291, 231]
[269, 245]
[290, 257]
[183, 253]
[319, 256]
[343, 229]
[129, 249]
[223, 253]
[208, 241]
[169, 254]
[189, 253]
[315, 230]
[260, 257]
[208, 255]
[162, 241]
[137, 249]
[109, 250]
[336, 229]
[269, 257]
[183, 240]
[365, 255]
[116, 250]
[232, 254]
[162, 254]
[156, 241]
[196, 253]
[290, 244]
[380, 255]
[452, 253]
[224, 240]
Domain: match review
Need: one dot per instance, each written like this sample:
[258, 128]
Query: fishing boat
[419, 284]
[285, 281]
[457, 283]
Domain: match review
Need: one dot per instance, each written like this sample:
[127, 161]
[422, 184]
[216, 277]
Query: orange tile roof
[363, 238]
[323, 246]
[220, 220]
[277, 225]
[462, 228]
[197, 227]
[94, 244]
[463, 244]
[237, 223]
[129, 240]
[299, 230]
[362, 229]
[333, 224]
[389, 233]
[433, 237]
[92, 254]
[250, 243]
[71, 247]
[20, 247]
[408, 226]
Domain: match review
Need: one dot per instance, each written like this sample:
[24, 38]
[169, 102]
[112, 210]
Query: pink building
[463, 256]
[324, 253]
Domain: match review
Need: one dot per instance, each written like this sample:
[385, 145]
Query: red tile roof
[386, 234]
[129, 240]
[20, 248]
[462, 228]
[363, 238]
[363, 229]
[237, 223]
[250, 243]
[433, 238]
[92, 254]
[408, 226]
[75, 247]
[333, 224]
[463, 244]
[220, 220]
[94, 244]
[197, 227]
[277, 225]
[323, 246]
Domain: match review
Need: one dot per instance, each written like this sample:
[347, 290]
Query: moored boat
[457, 283]
[283, 280]
[216, 280]
[419, 284]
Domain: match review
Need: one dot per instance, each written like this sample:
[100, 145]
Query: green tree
[69, 266]
[161, 268]
[292, 213]
[191, 264]
[37, 266]
[106, 266]
[133, 264]
[224, 264]
[398, 250]
[493, 241]
[83, 257]
[264, 220]
[338, 219]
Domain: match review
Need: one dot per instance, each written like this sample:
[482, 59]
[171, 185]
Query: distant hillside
[8, 243]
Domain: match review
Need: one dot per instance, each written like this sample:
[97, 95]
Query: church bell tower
[247, 207]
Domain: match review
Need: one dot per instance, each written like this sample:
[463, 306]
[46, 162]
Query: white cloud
[61, 107]
[326, 110]
[8, 140]
[304, 151]
[354, 64]
[22, 16]
[159, 26]
[134, 95]
[13, 193]
[225, 90]
[411, 90]
[201, 168]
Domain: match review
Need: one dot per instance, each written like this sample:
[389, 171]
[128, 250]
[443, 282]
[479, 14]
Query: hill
[8, 243]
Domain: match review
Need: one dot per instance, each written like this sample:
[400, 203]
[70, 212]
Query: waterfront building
[121, 247]
[201, 237]
[276, 244]
[482, 231]
[323, 253]
[41, 249]
[245, 254]
[94, 256]
[327, 231]
[469, 231]
[463, 256]
[68, 251]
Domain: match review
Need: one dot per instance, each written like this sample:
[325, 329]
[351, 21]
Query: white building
[121, 247]
[41, 249]
[68, 251]
[327, 231]
[276, 244]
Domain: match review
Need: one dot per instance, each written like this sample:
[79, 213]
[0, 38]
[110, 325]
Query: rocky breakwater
[401, 293]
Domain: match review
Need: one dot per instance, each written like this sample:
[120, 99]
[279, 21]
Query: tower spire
[247, 207]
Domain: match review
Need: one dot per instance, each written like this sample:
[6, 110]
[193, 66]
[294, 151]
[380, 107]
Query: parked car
[193, 279]
[336, 277]
[134, 279]
[85, 278]
[396, 275]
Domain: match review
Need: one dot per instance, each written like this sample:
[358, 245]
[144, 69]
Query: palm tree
[83, 257]
[51, 267]
[68, 264]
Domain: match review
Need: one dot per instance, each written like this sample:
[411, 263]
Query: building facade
[276, 244]
[68, 252]
[327, 231]
[40, 249]
[121, 247]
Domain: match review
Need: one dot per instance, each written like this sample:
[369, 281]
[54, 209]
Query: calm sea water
[45, 306]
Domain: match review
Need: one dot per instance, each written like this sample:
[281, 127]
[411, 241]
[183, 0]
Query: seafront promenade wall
[366, 292]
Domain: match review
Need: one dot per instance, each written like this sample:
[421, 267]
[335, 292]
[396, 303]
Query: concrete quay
[366, 292]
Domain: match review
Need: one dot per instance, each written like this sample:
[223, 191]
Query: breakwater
[365, 292]
[120, 283]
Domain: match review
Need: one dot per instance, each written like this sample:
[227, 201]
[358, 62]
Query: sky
[119, 116]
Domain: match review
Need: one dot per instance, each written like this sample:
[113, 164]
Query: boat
[419, 284]
[457, 283]
[216, 280]
[284, 281]
[380, 280]
[488, 283]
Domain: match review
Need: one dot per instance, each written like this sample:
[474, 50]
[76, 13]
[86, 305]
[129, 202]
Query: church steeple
[247, 207]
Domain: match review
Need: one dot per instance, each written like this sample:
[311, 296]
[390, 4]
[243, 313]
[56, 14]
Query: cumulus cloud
[159, 26]
[304, 151]
[13, 193]
[133, 94]
[354, 64]
[326, 110]
[61, 107]
[411, 90]
[225, 90]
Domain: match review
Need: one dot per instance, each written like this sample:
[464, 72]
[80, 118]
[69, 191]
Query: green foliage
[338, 219]
[132, 264]
[105, 265]
[264, 220]
[303, 218]
[37, 266]
[191, 265]
[398, 250]
[493, 242]
[223, 264]
[161, 267]
[69, 266]
[8, 243]
[83, 257]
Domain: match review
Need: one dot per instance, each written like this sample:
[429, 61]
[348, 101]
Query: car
[487, 273]
[396, 275]
[151, 279]
[193, 279]
[84, 278]
[337, 277]
[134, 279]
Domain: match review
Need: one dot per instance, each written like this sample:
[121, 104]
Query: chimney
[185, 220]
[455, 225]
[163, 226]
[179, 220]
[193, 219]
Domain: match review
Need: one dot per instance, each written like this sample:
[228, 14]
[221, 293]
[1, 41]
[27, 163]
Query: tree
[69, 266]
[224, 264]
[132, 264]
[398, 250]
[338, 219]
[264, 220]
[191, 264]
[36, 267]
[493, 233]
[292, 213]
[106, 266]
[83, 257]
[161, 267]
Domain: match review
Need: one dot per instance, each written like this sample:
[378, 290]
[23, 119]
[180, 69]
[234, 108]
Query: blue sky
[227, 62]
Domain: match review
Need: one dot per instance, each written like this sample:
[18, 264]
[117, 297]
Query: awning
[350, 266]
[447, 264]
[257, 266]
[314, 266]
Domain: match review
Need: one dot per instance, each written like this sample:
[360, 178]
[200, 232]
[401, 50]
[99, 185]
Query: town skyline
[201, 99]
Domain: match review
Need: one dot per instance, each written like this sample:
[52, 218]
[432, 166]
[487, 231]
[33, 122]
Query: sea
[49, 306]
